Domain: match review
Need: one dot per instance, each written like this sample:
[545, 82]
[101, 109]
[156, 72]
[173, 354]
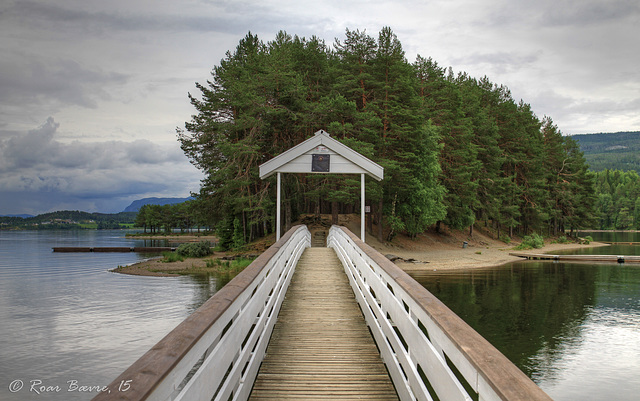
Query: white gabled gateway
[321, 154]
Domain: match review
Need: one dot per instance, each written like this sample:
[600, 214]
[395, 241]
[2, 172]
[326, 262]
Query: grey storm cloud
[585, 12]
[34, 79]
[37, 162]
[39, 149]
[233, 17]
[500, 61]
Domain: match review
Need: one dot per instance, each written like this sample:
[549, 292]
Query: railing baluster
[243, 311]
[421, 333]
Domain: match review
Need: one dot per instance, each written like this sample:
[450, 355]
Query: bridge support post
[362, 215]
[278, 208]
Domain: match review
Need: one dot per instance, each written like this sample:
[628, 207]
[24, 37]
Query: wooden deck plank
[321, 347]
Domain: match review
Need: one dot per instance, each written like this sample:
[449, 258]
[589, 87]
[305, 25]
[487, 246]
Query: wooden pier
[321, 347]
[337, 323]
[141, 249]
[579, 258]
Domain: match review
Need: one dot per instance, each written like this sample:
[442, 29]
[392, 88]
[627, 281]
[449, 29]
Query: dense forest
[615, 157]
[455, 149]
[613, 151]
[618, 204]
[164, 218]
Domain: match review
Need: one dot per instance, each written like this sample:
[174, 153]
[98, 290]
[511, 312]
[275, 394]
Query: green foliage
[505, 238]
[235, 265]
[618, 200]
[531, 241]
[169, 257]
[238, 236]
[166, 217]
[562, 240]
[194, 249]
[454, 148]
[224, 232]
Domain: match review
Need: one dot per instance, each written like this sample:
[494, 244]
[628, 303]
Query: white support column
[278, 209]
[362, 215]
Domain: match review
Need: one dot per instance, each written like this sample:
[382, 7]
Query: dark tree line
[165, 218]
[618, 204]
[455, 149]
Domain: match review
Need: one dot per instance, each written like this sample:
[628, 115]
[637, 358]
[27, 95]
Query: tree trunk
[287, 215]
[380, 234]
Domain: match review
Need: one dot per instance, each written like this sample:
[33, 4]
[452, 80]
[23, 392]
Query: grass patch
[168, 257]
[228, 266]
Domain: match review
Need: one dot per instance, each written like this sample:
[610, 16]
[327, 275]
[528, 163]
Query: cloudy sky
[91, 92]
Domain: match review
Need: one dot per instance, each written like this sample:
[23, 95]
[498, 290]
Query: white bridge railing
[216, 352]
[430, 352]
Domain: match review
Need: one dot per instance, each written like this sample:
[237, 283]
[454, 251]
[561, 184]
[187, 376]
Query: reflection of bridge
[289, 327]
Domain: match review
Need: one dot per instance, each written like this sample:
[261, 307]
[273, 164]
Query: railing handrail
[419, 336]
[164, 371]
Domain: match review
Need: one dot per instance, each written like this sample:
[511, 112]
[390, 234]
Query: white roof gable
[344, 160]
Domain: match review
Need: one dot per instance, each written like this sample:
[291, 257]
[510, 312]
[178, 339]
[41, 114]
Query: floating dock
[581, 258]
[140, 249]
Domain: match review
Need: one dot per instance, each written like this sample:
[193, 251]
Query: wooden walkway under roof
[321, 347]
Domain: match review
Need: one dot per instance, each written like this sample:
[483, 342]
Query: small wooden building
[321, 154]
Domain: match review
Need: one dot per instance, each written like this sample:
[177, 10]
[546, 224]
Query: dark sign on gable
[320, 163]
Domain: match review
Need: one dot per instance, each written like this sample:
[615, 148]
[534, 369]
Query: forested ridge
[612, 151]
[615, 157]
[455, 149]
[68, 219]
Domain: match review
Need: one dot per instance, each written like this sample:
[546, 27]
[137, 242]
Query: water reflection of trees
[526, 310]
[205, 285]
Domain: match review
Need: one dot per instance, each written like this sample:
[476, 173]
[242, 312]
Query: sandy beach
[445, 251]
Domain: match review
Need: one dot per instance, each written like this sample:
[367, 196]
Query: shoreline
[476, 257]
[424, 259]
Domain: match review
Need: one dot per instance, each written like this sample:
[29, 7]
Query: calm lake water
[66, 319]
[574, 328]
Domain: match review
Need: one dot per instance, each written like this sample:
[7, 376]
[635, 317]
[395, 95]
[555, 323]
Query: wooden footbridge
[337, 323]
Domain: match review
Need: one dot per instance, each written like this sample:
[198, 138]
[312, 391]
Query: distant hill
[613, 151]
[137, 204]
[22, 216]
[68, 219]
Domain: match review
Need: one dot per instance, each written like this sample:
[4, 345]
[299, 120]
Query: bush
[194, 250]
[563, 240]
[531, 241]
[505, 238]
